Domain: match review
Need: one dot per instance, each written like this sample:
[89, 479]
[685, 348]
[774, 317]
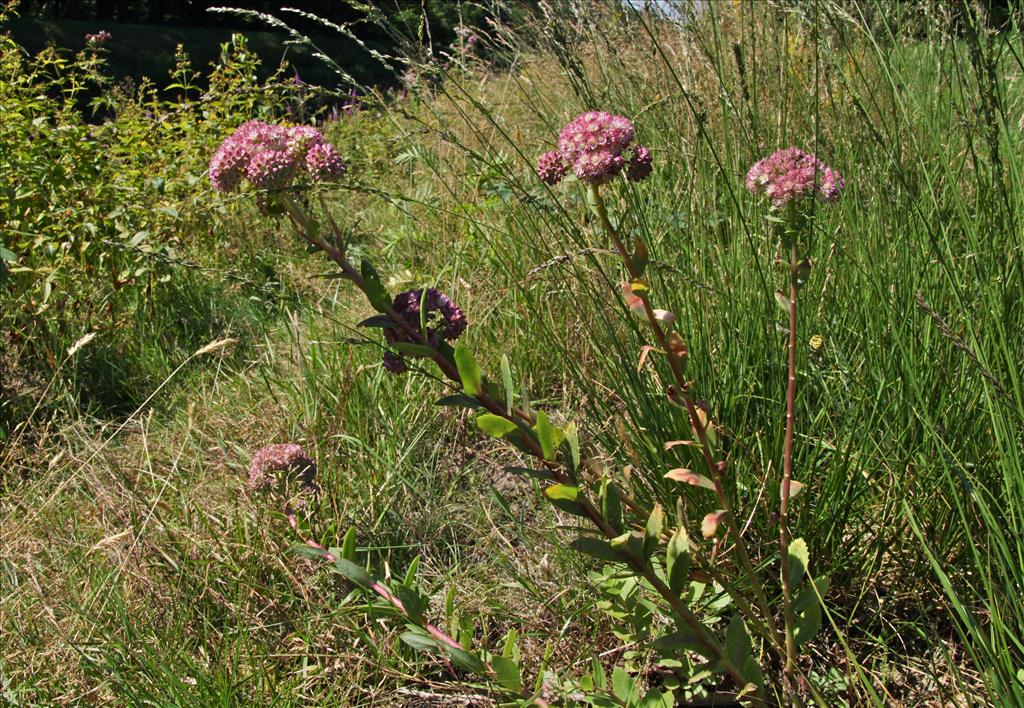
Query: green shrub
[101, 218]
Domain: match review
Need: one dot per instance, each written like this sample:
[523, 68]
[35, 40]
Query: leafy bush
[101, 217]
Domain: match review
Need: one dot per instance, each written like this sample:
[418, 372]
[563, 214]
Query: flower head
[593, 146]
[595, 131]
[271, 169]
[430, 312]
[290, 459]
[551, 168]
[98, 39]
[302, 138]
[324, 163]
[271, 157]
[597, 167]
[228, 166]
[791, 174]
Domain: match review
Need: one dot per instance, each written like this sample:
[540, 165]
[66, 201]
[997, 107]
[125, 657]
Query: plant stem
[676, 364]
[787, 467]
[307, 232]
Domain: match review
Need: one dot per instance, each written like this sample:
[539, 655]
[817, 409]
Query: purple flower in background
[792, 174]
[352, 104]
[394, 363]
[430, 312]
[98, 39]
[595, 146]
[286, 457]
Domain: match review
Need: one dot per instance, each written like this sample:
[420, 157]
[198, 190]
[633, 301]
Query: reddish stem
[787, 468]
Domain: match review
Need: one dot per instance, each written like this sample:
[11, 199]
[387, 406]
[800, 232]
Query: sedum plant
[723, 619]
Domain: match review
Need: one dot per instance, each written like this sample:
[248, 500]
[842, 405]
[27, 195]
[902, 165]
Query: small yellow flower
[817, 342]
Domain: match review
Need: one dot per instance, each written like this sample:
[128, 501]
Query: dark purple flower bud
[430, 312]
[640, 165]
[394, 363]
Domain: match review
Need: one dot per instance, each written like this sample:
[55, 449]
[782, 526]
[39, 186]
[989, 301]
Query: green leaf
[414, 603]
[565, 498]
[348, 545]
[507, 673]
[573, 438]
[355, 573]
[8, 256]
[807, 607]
[414, 349]
[652, 533]
[375, 291]
[808, 623]
[622, 684]
[738, 647]
[420, 642]
[799, 558]
[495, 425]
[656, 699]
[469, 371]
[459, 400]
[509, 650]
[410, 574]
[683, 641]
[631, 541]
[308, 551]
[562, 492]
[611, 504]
[740, 650]
[677, 560]
[466, 661]
[506, 380]
[596, 548]
[379, 321]
[546, 435]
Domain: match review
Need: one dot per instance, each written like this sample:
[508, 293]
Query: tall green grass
[909, 418]
[910, 415]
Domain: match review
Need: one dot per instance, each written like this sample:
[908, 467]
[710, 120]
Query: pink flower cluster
[98, 39]
[290, 459]
[792, 174]
[272, 156]
[594, 146]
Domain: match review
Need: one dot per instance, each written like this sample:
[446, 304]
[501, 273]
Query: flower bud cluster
[272, 157]
[791, 175]
[597, 147]
[430, 312]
